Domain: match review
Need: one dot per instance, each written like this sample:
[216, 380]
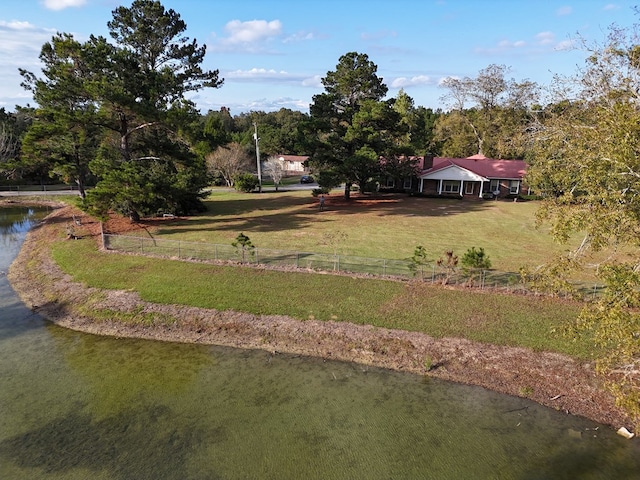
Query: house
[477, 176]
[293, 164]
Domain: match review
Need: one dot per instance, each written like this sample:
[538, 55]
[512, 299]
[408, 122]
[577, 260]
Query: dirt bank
[550, 379]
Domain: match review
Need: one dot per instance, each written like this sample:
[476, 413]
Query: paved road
[22, 193]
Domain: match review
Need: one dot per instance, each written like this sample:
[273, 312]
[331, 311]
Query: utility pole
[255, 137]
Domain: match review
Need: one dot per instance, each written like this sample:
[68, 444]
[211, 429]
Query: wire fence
[211, 252]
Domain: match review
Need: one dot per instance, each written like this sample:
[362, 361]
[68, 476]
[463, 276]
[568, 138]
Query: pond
[78, 406]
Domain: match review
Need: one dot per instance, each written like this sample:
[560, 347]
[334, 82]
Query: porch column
[461, 188]
[440, 187]
[481, 187]
[421, 189]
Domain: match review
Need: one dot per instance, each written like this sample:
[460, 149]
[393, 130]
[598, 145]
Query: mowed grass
[391, 228]
[440, 312]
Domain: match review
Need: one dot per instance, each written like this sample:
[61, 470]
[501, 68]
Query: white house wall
[454, 173]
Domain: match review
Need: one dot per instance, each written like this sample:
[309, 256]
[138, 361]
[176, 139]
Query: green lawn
[389, 229]
[392, 229]
[482, 316]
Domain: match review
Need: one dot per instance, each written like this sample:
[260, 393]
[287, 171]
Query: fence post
[141, 245]
[215, 251]
[297, 259]
[384, 266]
[257, 257]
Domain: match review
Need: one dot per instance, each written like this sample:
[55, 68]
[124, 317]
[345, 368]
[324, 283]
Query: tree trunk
[124, 137]
[347, 190]
[81, 190]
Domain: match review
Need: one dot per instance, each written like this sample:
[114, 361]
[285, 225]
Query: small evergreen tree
[473, 261]
[244, 247]
[418, 261]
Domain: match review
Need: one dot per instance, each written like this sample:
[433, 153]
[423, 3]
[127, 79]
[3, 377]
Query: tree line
[114, 115]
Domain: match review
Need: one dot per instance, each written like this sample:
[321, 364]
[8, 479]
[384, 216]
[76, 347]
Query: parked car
[306, 179]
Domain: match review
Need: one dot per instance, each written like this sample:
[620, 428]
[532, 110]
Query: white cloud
[251, 36]
[545, 38]
[314, 82]
[300, 37]
[273, 105]
[20, 45]
[261, 104]
[272, 76]
[563, 11]
[508, 44]
[565, 45]
[403, 82]
[21, 42]
[257, 74]
[62, 4]
[611, 6]
[443, 80]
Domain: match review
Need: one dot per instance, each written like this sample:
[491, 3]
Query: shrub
[246, 182]
[475, 259]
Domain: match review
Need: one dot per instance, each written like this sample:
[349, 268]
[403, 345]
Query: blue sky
[273, 54]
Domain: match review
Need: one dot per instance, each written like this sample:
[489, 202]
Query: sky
[273, 54]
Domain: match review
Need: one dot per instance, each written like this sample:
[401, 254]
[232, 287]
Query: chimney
[428, 161]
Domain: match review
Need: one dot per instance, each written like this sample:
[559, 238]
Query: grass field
[483, 316]
[390, 227]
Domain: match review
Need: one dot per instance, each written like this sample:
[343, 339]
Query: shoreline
[550, 379]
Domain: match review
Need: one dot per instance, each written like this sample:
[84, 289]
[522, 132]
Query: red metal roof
[483, 166]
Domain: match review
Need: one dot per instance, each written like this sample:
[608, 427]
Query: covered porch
[453, 180]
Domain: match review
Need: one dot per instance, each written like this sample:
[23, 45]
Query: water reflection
[14, 220]
[77, 406]
[129, 374]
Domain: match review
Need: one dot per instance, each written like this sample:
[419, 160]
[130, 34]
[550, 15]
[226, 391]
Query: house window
[468, 188]
[450, 186]
[514, 187]
[407, 183]
[494, 186]
[390, 182]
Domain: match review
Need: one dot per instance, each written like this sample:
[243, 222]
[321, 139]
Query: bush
[473, 261]
[320, 191]
[246, 182]
[476, 259]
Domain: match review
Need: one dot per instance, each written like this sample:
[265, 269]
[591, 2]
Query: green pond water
[78, 406]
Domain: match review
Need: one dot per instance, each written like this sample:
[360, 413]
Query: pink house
[473, 176]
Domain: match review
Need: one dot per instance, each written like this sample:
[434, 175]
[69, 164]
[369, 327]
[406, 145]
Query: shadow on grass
[382, 204]
[271, 211]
